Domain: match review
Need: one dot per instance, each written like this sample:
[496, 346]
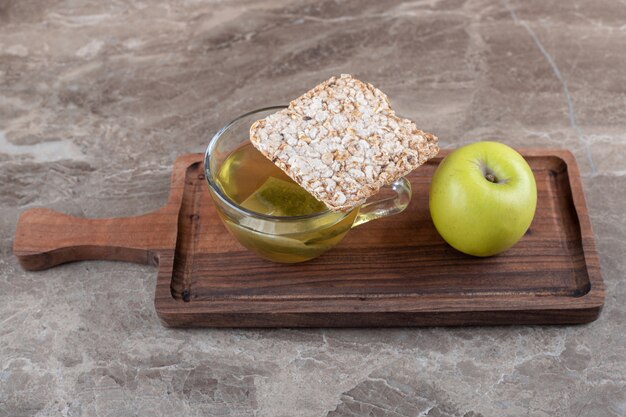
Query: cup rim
[208, 174]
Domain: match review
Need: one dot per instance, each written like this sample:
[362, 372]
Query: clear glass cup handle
[388, 206]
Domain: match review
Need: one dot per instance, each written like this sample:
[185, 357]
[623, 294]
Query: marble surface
[97, 98]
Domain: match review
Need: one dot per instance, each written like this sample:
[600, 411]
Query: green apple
[483, 198]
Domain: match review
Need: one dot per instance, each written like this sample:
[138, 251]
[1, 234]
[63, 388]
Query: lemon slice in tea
[281, 198]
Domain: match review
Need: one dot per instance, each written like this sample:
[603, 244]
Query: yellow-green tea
[306, 228]
[255, 183]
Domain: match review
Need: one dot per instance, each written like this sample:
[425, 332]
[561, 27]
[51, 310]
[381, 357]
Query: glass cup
[286, 239]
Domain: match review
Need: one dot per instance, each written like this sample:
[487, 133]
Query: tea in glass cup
[266, 211]
[254, 183]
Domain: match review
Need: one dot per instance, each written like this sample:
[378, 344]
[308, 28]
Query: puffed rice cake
[342, 142]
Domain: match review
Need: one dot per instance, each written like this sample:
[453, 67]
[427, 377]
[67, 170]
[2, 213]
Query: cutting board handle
[45, 238]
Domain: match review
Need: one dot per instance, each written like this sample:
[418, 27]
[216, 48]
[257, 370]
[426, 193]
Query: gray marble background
[97, 98]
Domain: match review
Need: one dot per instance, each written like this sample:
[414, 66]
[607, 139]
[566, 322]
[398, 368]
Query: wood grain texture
[395, 271]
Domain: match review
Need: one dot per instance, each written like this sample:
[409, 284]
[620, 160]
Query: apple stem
[491, 178]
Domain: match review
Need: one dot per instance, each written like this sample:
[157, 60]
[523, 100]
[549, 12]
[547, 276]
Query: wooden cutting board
[395, 271]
